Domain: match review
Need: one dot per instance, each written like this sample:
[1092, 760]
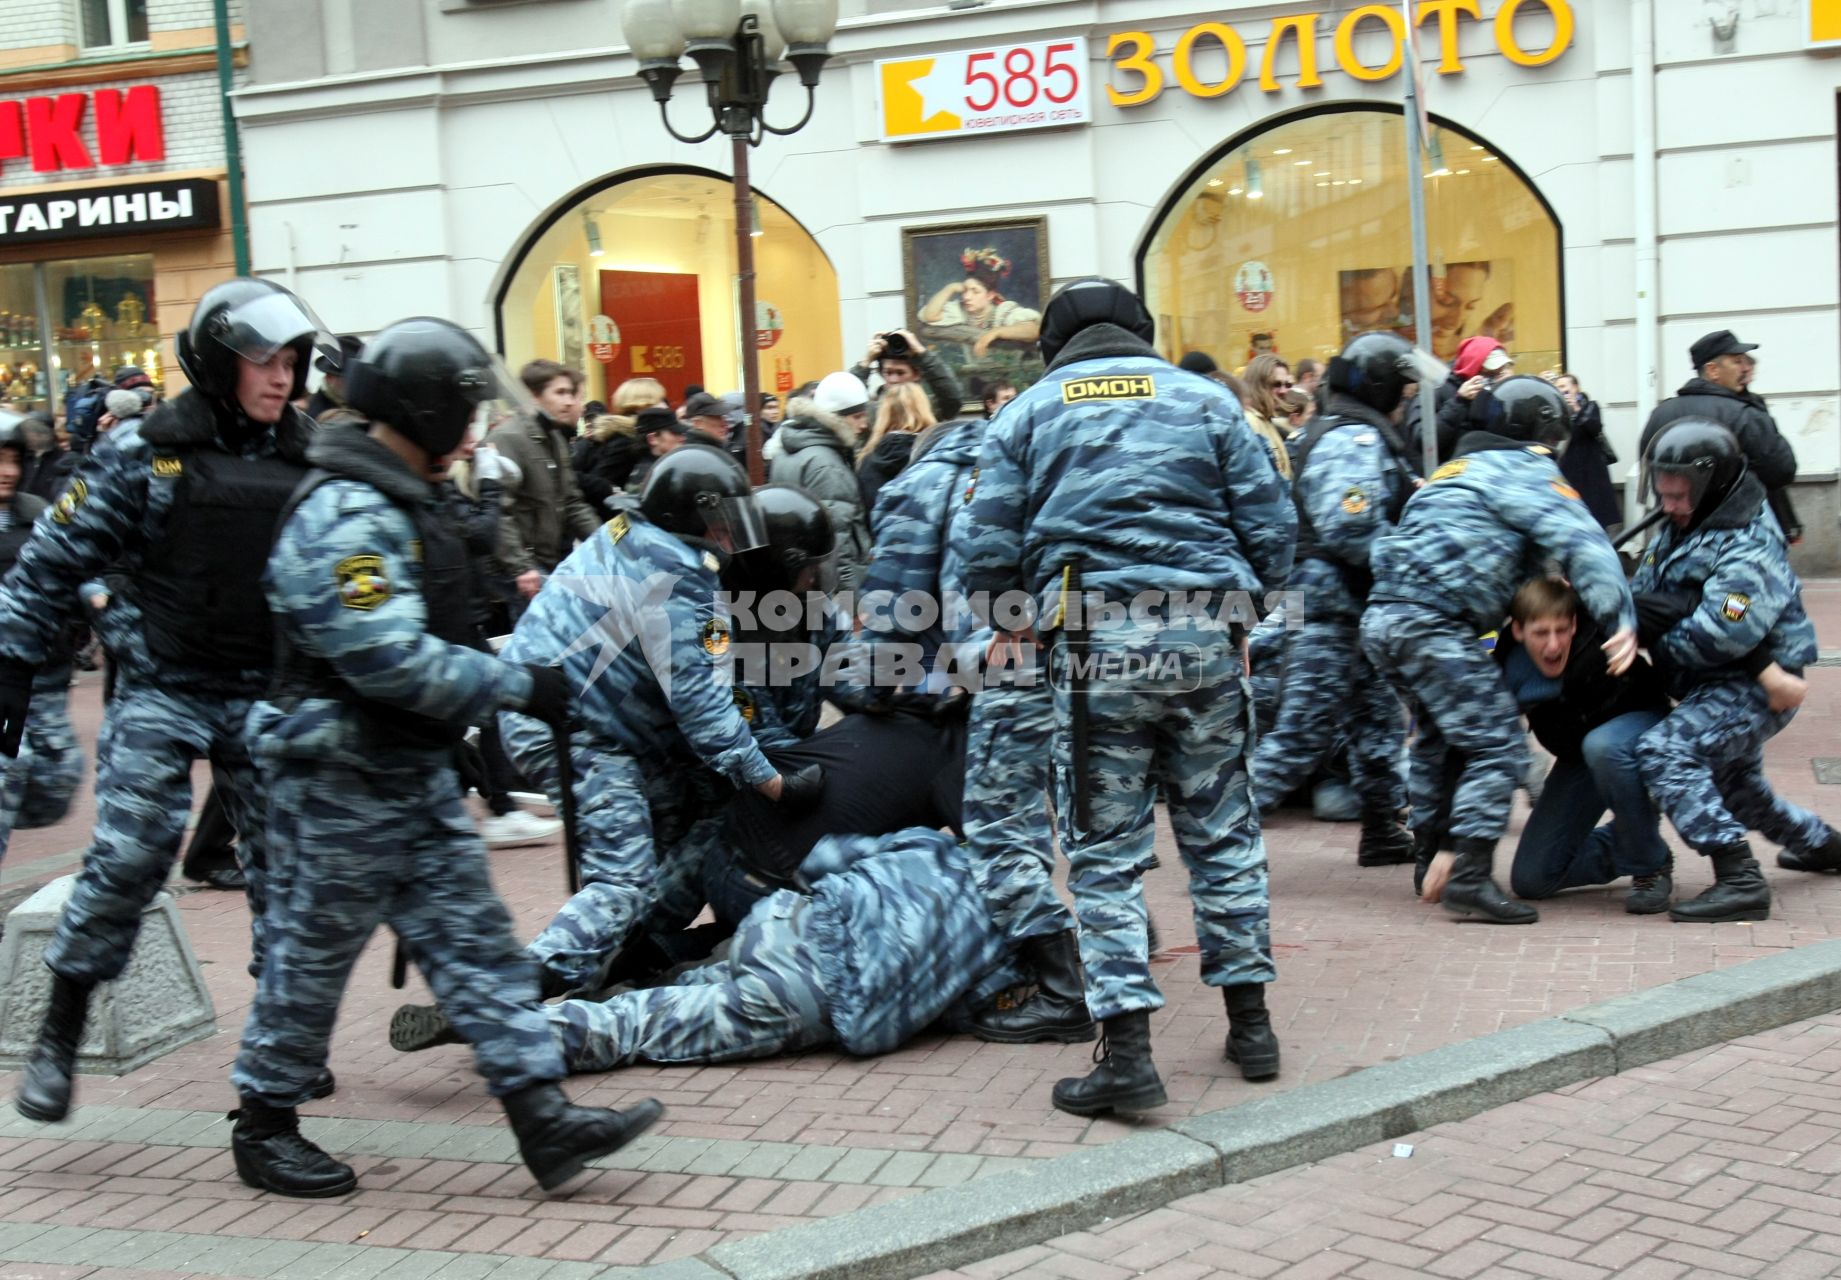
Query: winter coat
[47, 475]
[1586, 464]
[604, 460]
[547, 514]
[942, 384]
[1770, 456]
[1590, 695]
[815, 453]
[919, 544]
[883, 463]
[1353, 479]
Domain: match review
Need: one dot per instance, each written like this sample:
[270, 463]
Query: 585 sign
[1042, 85]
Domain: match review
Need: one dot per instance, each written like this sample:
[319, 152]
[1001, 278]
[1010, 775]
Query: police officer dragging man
[1119, 479]
[181, 509]
[375, 686]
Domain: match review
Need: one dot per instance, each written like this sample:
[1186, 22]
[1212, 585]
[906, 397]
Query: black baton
[1654, 517]
[565, 783]
[1074, 638]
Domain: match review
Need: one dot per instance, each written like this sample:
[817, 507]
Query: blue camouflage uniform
[37, 785]
[634, 617]
[1148, 478]
[357, 744]
[185, 521]
[920, 527]
[1350, 481]
[1705, 761]
[1487, 521]
[891, 937]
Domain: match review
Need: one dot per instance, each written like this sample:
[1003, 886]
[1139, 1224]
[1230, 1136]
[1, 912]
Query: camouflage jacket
[635, 617]
[1736, 565]
[1145, 474]
[1354, 481]
[1485, 523]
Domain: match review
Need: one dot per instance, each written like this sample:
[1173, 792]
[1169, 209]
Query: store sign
[124, 127]
[603, 339]
[661, 330]
[1222, 50]
[997, 90]
[1253, 285]
[1822, 24]
[769, 324]
[180, 204]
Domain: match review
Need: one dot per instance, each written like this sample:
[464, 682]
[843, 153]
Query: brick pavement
[1722, 1162]
[1366, 975]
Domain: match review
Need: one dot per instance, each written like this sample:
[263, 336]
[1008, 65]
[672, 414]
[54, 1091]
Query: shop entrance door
[660, 329]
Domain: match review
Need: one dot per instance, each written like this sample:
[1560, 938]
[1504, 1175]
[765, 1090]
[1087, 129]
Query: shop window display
[100, 317]
[1297, 238]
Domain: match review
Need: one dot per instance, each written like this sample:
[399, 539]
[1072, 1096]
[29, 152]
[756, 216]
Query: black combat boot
[323, 1086]
[1250, 1040]
[1826, 857]
[1472, 892]
[1649, 895]
[1058, 1010]
[557, 1138]
[1385, 840]
[1738, 891]
[1124, 1080]
[272, 1155]
[44, 1088]
[414, 1027]
[1425, 848]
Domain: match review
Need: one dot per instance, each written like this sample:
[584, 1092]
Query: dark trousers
[213, 846]
[1563, 846]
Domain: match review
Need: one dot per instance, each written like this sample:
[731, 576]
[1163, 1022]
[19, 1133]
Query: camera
[894, 344]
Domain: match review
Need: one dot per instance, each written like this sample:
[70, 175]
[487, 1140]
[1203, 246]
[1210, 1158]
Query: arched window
[654, 252]
[1297, 236]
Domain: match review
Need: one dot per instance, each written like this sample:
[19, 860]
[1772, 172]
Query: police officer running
[1122, 475]
[1719, 599]
[1443, 578]
[183, 507]
[375, 686]
[1351, 477]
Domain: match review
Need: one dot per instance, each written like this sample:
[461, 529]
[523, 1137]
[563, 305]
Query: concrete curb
[946, 1227]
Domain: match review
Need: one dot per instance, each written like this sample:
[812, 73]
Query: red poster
[660, 329]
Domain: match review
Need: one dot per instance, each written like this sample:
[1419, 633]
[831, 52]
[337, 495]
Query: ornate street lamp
[735, 44]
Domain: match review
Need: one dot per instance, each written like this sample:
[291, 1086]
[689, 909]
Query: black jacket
[1450, 424]
[1586, 464]
[46, 475]
[1769, 455]
[882, 464]
[603, 467]
[1589, 694]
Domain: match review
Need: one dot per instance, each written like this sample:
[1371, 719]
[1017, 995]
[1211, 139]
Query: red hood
[1471, 353]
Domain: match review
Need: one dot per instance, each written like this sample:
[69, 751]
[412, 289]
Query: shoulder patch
[1736, 607]
[618, 527]
[1455, 467]
[711, 563]
[166, 466]
[362, 583]
[744, 703]
[1122, 386]
[1354, 501]
[1363, 437]
[1565, 490]
[715, 638]
[971, 487]
[74, 497]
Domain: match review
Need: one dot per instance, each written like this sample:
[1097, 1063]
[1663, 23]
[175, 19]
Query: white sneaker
[515, 828]
[535, 801]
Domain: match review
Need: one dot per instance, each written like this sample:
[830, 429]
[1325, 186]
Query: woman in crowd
[901, 415]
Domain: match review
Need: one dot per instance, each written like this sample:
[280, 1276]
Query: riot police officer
[182, 508]
[376, 685]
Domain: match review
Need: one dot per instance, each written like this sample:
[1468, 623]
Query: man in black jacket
[1721, 391]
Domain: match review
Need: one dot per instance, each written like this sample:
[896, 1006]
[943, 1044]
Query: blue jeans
[1563, 846]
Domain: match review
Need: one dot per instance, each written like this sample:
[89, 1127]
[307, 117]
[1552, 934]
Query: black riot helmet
[13, 434]
[1375, 369]
[424, 377]
[701, 495]
[1704, 452]
[1529, 409]
[1083, 303]
[799, 539]
[251, 320]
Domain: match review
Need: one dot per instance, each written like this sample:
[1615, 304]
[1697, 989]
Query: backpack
[83, 410]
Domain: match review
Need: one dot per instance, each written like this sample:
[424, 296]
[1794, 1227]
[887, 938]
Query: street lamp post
[735, 44]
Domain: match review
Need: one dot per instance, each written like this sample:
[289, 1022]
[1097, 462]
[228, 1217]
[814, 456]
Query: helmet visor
[733, 524]
[259, 328]
[1671, 481]
[1421, 366]
[497, 396]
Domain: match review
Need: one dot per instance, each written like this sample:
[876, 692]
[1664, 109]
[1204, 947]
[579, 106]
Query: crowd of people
[1031, 616]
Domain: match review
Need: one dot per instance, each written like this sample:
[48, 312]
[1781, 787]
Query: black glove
[549, 700]
[1658, 611]
[15, 700]
[800, 789]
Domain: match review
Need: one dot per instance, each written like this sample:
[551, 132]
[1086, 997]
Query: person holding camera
[901, 357]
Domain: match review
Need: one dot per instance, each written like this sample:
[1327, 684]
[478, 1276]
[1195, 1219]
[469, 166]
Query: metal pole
[744, 265]
[1643, 213]
[1422, 275]
[233, 150]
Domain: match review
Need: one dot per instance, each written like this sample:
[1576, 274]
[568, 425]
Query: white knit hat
[842, 394]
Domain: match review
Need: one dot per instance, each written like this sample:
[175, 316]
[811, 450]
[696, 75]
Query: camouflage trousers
[763, 999]
[1167, 710]
[1705, 765]
[1007, 828]
[1469, 749]
[633, 818]
[1331, 692]
[37, 785]
[151, 736]
[356, 849]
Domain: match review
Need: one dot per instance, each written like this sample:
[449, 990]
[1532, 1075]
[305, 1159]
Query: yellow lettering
[640, 363]
[1139, 60]
[1447, 12]
[1236, 59]
[1304, 27]
[1345, 40]
[1562, 12]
